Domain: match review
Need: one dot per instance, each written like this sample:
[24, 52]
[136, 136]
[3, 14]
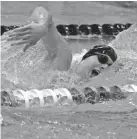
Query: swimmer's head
[99, 57]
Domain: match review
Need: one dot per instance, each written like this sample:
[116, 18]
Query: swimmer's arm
[58, 49]
[59, 52]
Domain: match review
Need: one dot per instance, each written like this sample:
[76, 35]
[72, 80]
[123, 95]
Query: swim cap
[104, 50]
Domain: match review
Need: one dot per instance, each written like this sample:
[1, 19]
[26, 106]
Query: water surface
[114, 120]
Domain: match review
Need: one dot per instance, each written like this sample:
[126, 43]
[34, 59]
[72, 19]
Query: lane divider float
[83, 31]
[22, 98]
[40, 96]
[57, 96]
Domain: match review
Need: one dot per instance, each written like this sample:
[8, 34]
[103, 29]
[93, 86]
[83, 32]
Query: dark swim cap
[101, 49]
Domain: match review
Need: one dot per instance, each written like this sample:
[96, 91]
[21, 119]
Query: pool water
[111, 120]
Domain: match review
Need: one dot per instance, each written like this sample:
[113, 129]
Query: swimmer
[59, 53]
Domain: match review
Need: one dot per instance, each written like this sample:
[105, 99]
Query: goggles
[104, 59]
[105, 54]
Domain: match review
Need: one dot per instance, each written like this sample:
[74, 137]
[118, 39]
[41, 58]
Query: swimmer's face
[86, 66]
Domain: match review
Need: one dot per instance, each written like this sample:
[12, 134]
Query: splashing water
[28, 69]
[107, 120]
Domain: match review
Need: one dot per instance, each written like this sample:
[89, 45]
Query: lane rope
[86, 95]
[83, 31]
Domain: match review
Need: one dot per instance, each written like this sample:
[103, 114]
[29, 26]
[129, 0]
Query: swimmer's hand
[27, 35]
